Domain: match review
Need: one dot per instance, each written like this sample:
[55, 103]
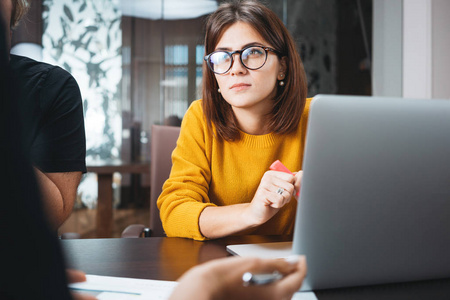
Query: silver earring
[218, 90]
[281, 83]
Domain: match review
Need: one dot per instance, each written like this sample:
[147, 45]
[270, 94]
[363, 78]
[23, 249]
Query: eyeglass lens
[252, 58]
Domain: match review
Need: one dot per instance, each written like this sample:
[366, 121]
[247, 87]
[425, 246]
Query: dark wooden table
[105, 171]
[168, 258]
[149, 258]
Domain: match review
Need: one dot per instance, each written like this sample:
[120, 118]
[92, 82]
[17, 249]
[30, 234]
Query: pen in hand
[260, 279]
[249, 278]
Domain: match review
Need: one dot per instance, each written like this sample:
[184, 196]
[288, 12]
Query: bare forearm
[58, 192]
[217, 222]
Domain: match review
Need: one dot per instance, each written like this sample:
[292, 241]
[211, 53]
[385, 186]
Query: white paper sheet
[112, 288]
[115, 288]
[304, 296]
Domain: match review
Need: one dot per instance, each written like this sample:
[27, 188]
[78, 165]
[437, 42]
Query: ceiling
[173, 9]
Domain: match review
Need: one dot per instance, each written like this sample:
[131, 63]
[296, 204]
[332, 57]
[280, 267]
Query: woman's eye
[220, 58]
[254, 52]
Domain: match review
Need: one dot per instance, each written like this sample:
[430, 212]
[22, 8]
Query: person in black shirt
[52, 123]
[31, 259]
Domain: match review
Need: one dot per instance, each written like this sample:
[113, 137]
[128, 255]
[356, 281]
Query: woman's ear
[283, 68]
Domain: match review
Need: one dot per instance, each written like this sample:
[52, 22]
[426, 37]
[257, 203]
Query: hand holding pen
[250, 278]
[223, 279]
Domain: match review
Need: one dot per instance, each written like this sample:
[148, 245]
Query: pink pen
[278, 166]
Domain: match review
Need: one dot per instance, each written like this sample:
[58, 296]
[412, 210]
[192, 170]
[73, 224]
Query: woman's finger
[280, 195]
[81, 296]
[75, 276]
[297, 183]
[282, 175]
[293, 281]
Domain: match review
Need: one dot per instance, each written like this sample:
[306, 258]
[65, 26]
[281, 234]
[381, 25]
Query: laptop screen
[374, 205]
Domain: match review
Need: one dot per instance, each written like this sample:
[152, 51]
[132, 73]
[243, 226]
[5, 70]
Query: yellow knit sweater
[208, 172]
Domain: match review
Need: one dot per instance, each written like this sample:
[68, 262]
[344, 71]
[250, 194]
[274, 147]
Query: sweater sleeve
[185, 193]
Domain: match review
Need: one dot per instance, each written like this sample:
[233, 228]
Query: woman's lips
[240, 86]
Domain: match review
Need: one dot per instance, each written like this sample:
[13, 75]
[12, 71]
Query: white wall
[441, 49]
[411, 42]
[417, 49]
[387, 48]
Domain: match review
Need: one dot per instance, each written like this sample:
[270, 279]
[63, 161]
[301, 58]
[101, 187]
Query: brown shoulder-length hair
[290, 99]
[19, 9]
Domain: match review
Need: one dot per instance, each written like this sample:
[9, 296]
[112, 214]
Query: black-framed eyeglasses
[252, 57]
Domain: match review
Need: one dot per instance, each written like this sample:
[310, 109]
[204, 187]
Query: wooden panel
[104, 206]
[105, 171]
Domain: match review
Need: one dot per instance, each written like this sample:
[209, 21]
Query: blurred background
[139, 63]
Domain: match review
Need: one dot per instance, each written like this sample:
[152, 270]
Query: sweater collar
[257, 141]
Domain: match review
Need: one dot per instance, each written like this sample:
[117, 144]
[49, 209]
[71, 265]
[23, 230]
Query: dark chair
[163, 141]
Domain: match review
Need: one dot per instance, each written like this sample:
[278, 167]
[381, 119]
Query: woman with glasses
[254, 111]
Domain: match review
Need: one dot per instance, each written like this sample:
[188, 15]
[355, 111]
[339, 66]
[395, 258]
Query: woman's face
[243, 88]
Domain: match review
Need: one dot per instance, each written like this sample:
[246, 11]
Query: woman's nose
[237, 67]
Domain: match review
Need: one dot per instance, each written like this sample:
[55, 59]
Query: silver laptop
[374, 204]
